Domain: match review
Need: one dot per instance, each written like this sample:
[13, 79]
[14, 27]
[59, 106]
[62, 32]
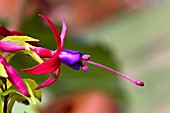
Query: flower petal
[63, 33]
[3, 31]
[54, 30]
[15, 33]
[9, 47]
[3, 61]
[57, 72]
[45, 67]
[71, 58]
[46, 83]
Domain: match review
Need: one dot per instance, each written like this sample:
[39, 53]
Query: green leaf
[10, 56]
[22, 99]
[1, 106]
[26, 51]
[13, 90]
[20, 38]
[33, 85]
[33, 55]
[8, 84]
[1, 85]
[2, 71]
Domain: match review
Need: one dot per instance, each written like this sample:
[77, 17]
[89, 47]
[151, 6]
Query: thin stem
[6, 97]
[1, 85]
[139, 83]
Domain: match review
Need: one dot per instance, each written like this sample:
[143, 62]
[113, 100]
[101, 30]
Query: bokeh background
[131, 36]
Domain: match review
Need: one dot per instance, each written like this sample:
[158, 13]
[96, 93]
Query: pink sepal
[46, 67]
[46, 83]
[53, 28]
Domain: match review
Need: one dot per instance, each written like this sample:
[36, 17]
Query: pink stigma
[139, 83]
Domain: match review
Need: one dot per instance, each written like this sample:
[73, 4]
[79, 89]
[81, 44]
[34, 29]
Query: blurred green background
[129, 36]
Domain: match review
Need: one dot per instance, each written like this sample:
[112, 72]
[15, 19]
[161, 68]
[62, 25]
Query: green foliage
[33, 55]
[10, 56]
[30, 84]
[33, 85]
[19, 38]
[1, 106]
[12, 91]
[2, 71]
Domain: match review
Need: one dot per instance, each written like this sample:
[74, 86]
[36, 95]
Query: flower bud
[9, 47]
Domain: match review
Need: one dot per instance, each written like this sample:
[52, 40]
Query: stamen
[85, 57]
[84, 68]
[139, 83]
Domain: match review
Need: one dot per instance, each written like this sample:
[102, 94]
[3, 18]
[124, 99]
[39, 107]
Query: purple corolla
[71, 58]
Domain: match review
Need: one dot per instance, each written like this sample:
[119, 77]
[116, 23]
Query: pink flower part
[14, 77]
[16, 33]
[85, 57]
[57, 72]
[63, 33]
[48, 82]
[9, 46]
[139, 83]
[53, 64]
[46, 67]
[3, 31]
[54, 30]
[84, 67]
[43, 52]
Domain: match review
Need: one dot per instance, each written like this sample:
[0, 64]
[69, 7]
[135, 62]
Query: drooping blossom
[71, 58]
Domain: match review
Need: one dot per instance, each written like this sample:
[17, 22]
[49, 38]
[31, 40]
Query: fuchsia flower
[71, 58]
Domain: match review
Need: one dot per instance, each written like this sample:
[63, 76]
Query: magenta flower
[71, 58]
[14, 77]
